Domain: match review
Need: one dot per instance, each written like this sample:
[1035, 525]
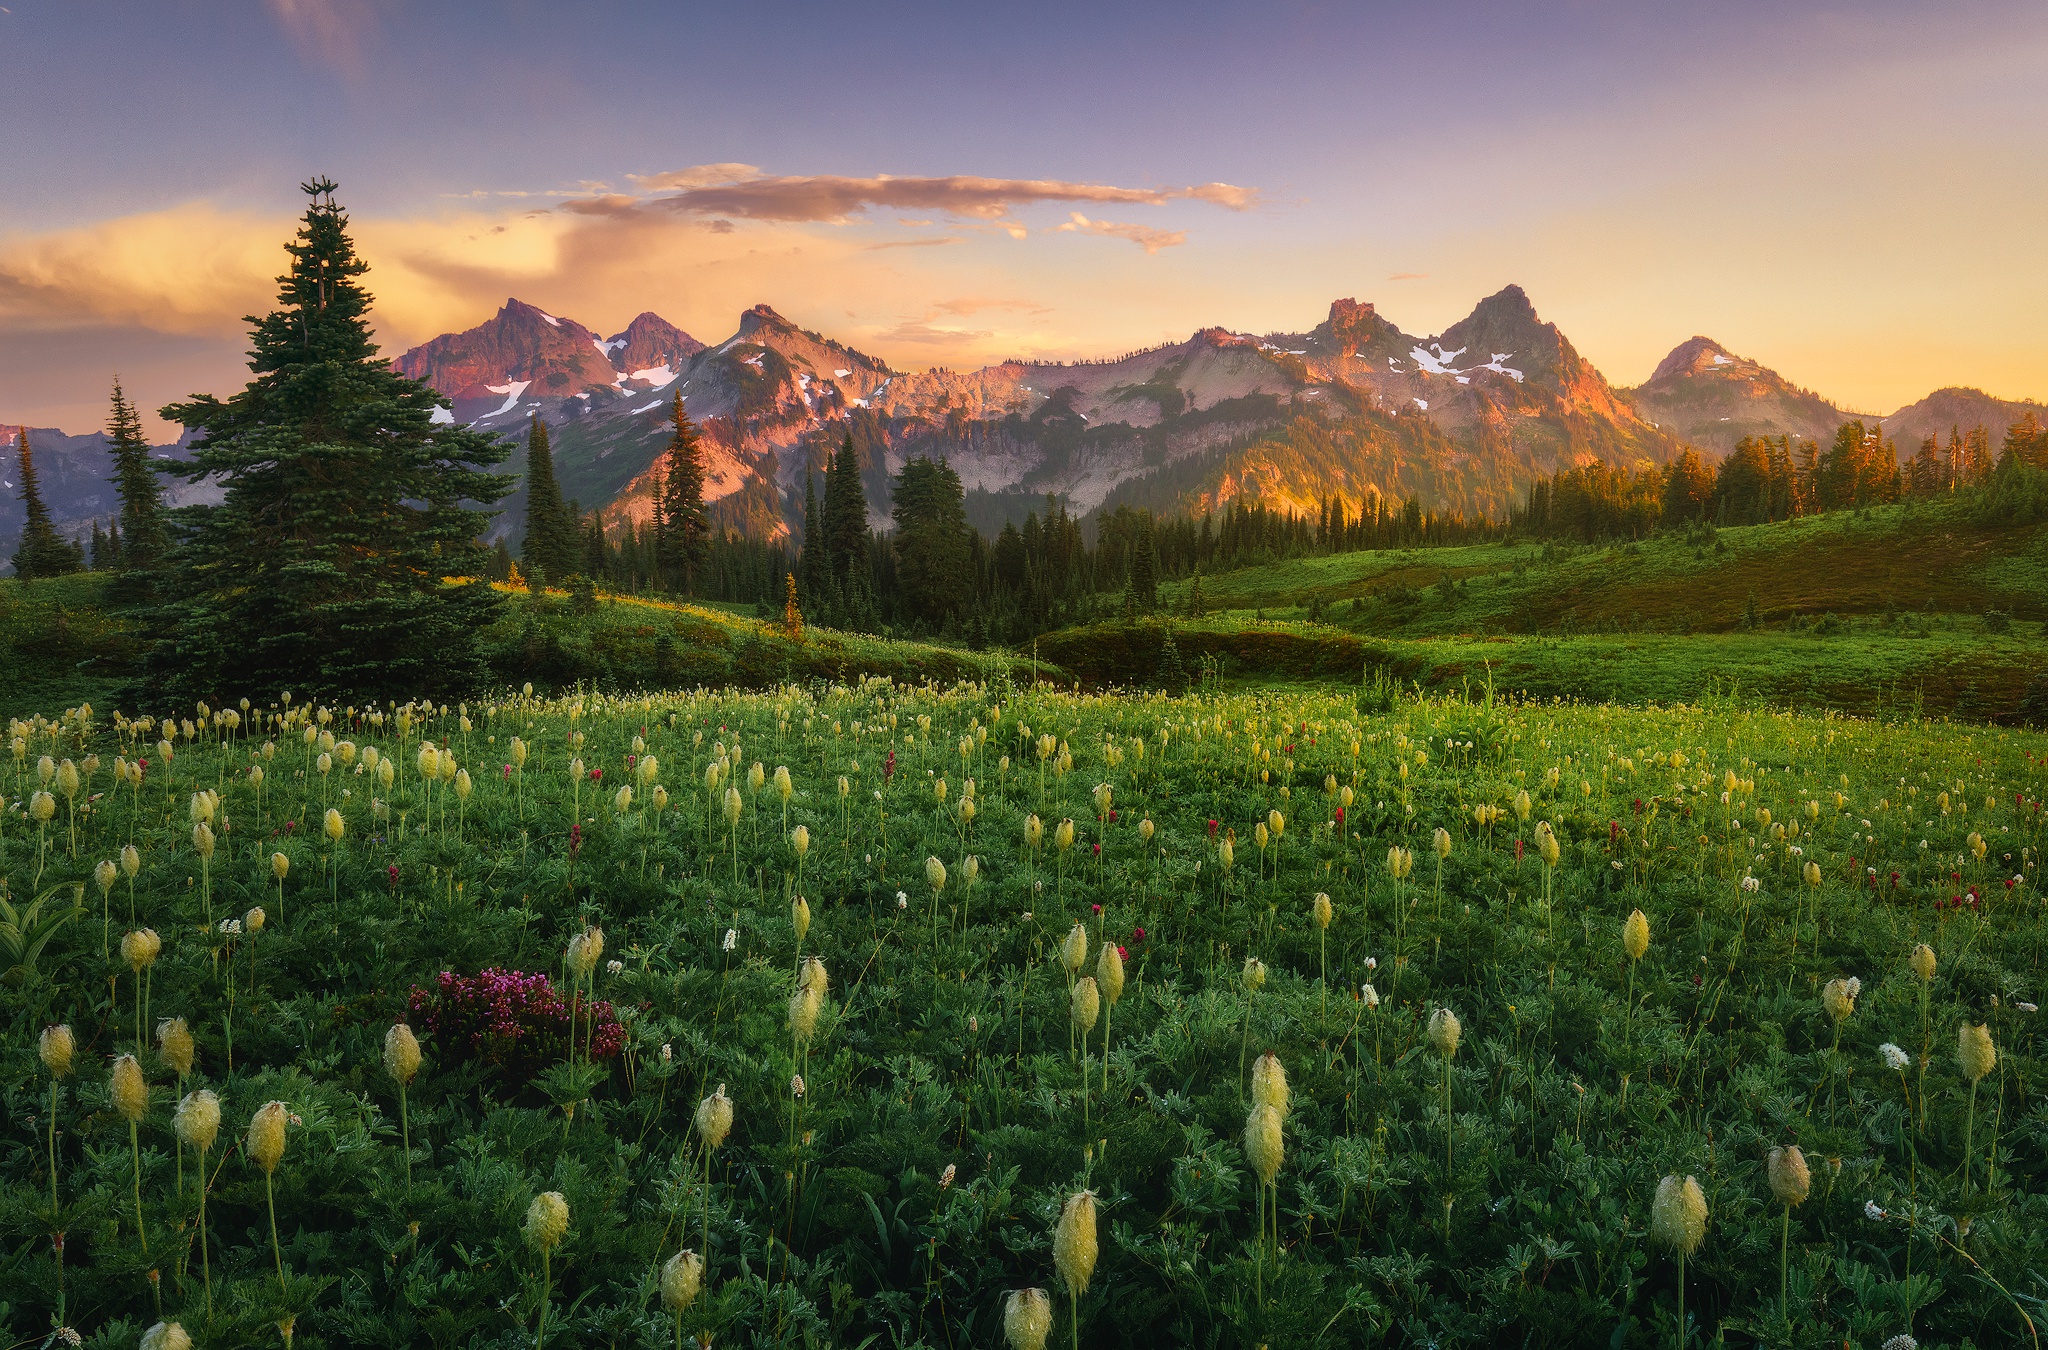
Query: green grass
[1894, 560]
[1952, 669]
[945, 1118]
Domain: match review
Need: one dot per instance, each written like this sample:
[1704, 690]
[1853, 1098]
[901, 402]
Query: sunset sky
[1852, 194]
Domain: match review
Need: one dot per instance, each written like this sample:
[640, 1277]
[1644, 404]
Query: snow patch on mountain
[511, 391]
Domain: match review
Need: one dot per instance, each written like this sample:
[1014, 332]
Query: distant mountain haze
[1352, 408]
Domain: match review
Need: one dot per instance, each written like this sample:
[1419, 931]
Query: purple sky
[1853, 195]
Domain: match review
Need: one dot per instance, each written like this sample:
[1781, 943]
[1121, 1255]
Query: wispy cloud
[916, 243]
[974, 305]
[1144, 236]
[1408, 276]
[331, 33]
[922, 333]
[741, 190]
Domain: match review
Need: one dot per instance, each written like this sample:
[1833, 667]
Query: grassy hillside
[1894, 611]
[1957, 671]
[1897, 560]
[60, 646]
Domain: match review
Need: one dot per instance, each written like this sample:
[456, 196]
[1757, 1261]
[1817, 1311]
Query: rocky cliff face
[1710, 397]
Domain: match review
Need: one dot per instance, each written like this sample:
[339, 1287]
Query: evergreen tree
[1173, 672]
[685, 528]
[551, 548]
[143, 536]
[1145, 565]
[931, 538]
[41, 553]
[343, 508]
[846, 514]
[814, 565]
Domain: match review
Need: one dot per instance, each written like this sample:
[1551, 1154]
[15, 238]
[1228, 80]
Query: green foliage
[930, 539]
[140, 526]
[682, 529]
[40, 553]
[550, 544]
[944, 1119]
[343, 507]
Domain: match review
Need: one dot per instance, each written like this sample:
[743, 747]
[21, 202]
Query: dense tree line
[345, 505]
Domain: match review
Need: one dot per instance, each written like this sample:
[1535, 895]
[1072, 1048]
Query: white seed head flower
[165, 1336]
[682, 1276]
[547, 1220]
[1445, 1030]
[1027, 1318]
[198, 1119]
[55, 1047]
[1678, 1216]
[714, 1119]
[174, 1045]
[1895, 1059]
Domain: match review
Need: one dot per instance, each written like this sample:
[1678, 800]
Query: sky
[1853, 194]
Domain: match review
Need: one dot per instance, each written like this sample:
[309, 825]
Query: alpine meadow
[914, 833]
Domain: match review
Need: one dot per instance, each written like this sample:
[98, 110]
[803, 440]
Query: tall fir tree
[846, 515]
[136, 483]
[41, 553]
[685, 528]
[814, 565]
[344, 506]
[1145, 566]
[551, 547]
[931, 538]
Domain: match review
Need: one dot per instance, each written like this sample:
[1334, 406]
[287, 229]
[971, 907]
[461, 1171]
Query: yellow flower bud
[1269, 1082]
[265, 1144]
[1073, 1243]
[1322, 911]
[1975, 1051]
[401, 1054]
[1262, 1142]
[1789, 1177]
[1922, 962]
[1635, 935]
[1074, 949]
[334, 825]
[1109, 972]
[128, 1090]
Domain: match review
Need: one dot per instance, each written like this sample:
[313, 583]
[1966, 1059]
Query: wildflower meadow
[879, 1015]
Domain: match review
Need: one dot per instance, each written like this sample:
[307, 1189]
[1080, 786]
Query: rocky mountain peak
[1697, 356]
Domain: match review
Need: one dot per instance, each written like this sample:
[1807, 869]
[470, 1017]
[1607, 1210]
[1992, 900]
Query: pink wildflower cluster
[511, 1018]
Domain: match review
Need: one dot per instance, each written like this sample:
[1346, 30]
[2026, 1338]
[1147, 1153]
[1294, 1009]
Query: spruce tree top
[344, 506]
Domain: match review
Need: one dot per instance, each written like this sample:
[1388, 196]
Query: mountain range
[1350, 409]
